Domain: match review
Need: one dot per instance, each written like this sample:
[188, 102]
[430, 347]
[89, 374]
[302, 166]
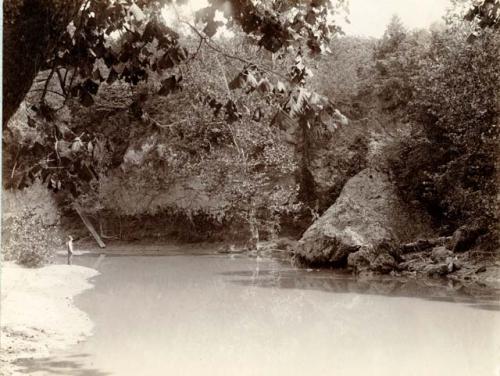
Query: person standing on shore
[70, 249]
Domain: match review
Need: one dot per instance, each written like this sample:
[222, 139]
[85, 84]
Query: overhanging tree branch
[212, 45]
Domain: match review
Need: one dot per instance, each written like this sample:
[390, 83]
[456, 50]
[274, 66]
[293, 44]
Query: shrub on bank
[30, 234]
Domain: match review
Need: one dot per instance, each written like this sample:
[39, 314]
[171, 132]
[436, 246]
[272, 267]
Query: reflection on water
[337, 282]
[276, 272]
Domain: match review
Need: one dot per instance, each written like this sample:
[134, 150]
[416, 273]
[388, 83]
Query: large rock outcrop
[366, 217]
[332, 163]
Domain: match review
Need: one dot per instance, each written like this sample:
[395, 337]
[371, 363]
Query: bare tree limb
[48, 91]
[62, 80]
[47, 82]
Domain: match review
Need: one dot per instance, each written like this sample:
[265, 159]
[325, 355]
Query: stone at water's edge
[367, 213]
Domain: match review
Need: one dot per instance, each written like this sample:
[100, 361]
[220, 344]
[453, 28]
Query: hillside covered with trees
[252, 121]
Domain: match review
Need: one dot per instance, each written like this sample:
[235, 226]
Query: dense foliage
[139, 108]
[178, 104]
[436, 93]
[105, 42]
[446, 85]
[30, 219]
[451, 164]
[185, 158]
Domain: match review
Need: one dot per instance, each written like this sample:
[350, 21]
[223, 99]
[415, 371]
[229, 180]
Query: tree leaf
[90, 86]
[112, 77]
[264, 86]
[170, 85]
[251, 80]
[280, 87]
[137, 12]
[86, 99]
[212, 27]
[237, 83]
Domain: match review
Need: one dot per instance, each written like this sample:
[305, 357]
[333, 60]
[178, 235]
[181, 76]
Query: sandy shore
[37, 312]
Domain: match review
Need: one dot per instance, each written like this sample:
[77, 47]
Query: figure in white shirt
[70, 249]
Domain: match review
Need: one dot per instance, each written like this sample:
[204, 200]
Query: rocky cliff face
[333, 163]
[367, 214]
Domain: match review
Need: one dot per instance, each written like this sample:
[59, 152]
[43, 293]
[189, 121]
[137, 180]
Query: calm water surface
[237, 315]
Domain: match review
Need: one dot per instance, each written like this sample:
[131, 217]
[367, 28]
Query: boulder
[465, 237]
[438, 270]
[367, 213]
[334, 163]
[441, 254]
[361, 260]
[384, 263]
[380, 258]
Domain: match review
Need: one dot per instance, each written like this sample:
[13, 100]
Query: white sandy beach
[37, 312]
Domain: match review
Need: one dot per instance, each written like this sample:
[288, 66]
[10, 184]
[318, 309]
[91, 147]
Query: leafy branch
[215, 47]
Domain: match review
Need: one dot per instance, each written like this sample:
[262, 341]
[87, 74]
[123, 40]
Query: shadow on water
[472, 295]
[70, 365]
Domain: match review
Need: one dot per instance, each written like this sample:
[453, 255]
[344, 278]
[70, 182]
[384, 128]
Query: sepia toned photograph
[250, 188]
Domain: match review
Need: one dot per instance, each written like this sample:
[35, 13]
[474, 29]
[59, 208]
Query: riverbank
[38, 315]
[469, 268]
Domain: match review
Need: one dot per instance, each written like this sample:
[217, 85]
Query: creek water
[208, 314]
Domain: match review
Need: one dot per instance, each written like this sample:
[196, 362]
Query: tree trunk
[31, 29]
[307, 185]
